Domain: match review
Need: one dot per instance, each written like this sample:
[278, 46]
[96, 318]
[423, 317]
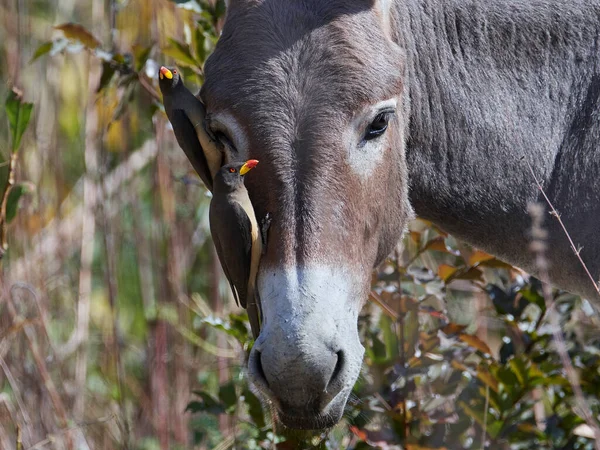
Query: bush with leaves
[459, 350]
[431, 383]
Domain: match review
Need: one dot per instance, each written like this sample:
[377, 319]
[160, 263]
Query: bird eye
[378, 126]
[174, 71]
[232, 170]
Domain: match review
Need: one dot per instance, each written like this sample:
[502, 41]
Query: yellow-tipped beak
[164, 72]
[248, 166]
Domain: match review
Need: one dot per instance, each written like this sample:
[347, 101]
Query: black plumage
[187, 113]
[237, 236]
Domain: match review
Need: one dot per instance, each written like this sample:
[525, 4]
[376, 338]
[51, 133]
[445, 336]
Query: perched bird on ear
[186, 113]
[237, 236]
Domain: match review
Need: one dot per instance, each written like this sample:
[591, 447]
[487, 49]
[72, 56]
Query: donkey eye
[378, 126]
[232, 170]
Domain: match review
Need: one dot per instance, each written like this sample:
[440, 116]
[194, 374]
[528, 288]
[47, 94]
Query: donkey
[363, 111]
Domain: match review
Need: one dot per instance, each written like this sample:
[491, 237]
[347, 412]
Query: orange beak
[249, 165]
[164, 72]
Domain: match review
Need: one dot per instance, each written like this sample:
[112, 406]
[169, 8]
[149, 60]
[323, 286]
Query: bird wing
[196, 112]
[220, 252]
[233, 242]
[188, 140]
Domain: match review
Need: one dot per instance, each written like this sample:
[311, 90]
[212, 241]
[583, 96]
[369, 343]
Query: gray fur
[489, 88]
[482, 87]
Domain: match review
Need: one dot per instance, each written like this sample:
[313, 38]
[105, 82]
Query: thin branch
[42, 368]
[18, 397]
[10, 182]
[65, 235]
[52, 437]
[148, 88]
[111, 282]
[375, 298]
[557, 216]
[485, 416]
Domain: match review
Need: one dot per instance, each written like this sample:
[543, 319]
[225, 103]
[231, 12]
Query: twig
[485, 415]
[18, 397]
[557, 216]
[538, 248]
[12, 416]
[88, 231]
[42, 369]
[65, 235]
[10, 182]
[111, 266]
[148, 88]
[4, 441]
[51, 437]
[159, 380]
[111, 282]
[375, 298]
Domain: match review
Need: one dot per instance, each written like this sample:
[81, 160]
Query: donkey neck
[492, 85]
[489, 83]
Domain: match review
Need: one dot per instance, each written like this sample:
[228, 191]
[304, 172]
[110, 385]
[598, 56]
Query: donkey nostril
[259, 368]
[339, 365]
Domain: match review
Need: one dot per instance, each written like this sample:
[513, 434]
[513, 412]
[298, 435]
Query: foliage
[430, 383]
[18, 113]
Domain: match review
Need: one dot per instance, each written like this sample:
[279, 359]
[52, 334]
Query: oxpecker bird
[237, 236]
[187, 113]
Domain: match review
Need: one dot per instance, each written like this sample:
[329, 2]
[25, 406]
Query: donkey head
[313, 90]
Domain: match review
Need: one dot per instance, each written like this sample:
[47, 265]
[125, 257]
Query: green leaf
[180, 53]
[12, 202]
[190, 78]
[378, 350]
[533, 295]
[236, 328]
[199, 44]
[107, 74]
[472, 412]
[227, 395]
[519, 368]
[254, 408]
[42, 50]
[77, 32]
[487, 378]
[389, 337]
[220, 9]
[18, 114]
[239, 323]
[208, 404]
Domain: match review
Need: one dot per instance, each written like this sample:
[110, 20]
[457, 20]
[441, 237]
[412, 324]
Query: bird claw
[264, 228]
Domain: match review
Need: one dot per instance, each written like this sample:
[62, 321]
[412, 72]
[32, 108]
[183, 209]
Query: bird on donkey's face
[187, 115]
[237, 236]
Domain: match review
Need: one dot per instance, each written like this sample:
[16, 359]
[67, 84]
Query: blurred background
[117, 328]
